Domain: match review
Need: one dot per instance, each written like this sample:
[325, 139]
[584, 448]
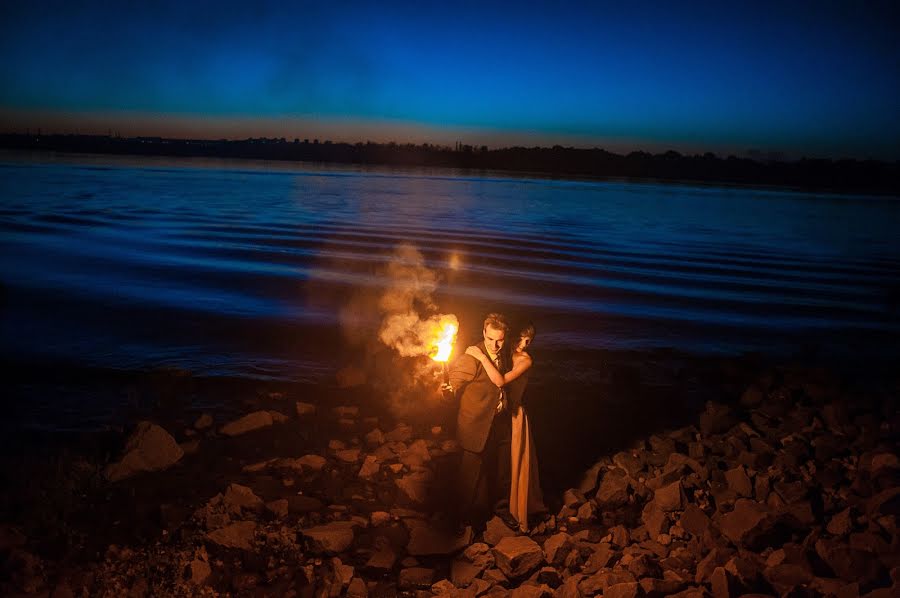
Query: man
[483, 427]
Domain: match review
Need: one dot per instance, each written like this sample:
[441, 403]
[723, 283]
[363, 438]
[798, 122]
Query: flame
[443, 344]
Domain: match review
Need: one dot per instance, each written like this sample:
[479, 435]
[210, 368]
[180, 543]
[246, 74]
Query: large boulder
[149, 448]
[518, 556]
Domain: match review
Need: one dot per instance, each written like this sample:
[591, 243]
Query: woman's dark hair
[526, 329]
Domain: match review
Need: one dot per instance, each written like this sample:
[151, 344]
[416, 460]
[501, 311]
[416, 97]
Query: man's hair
[496, 321]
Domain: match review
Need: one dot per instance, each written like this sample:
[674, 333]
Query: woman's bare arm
[520, 366]
[489, 368]
[521, 363]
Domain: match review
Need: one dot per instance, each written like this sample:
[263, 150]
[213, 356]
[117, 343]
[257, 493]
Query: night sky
[803, 78]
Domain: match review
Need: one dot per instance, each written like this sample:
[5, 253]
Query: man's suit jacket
[478, 398]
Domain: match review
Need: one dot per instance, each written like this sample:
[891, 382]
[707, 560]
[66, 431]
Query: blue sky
[815, 78]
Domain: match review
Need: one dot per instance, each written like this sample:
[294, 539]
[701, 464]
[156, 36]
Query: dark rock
[670, 498]
[761, 487]
[717, 557]
[644, 566]
[357, 588]
[739, 482]
[657, 588]
[348, 455]
[573, 498]
[601, 557]
[586, 511]
[383, 560]
[463, 572]
[570, 588]
[613, 491]
[518, 556]
[632, 462]
[241, 582]
[660, 449]
[619, 535]
[426, 539]
[415, 486]
[238, 498]
[848, 564]
[752, 397]
[654, 519]
[549, 576]
[723, 584]
[696, 450]
[791, 492]
[278, 508]
[745, 572]
[370, 468]
[886, 502]
[203, 422]
[557, 547]
[532, 590]
[345, 411]
[716, 419]
[623, 590]
[748, 523]
[250, 422]
[332, 538]
[299, 504]
[496, 530]
[786, 576]
[304, 409]
[416, 454]
[149, 448]
[496, 577]
[415, 578]
[694, 520]
[237, 535]
[602, 580]
[402, 433]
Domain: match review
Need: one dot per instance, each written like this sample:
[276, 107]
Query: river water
[250, 269]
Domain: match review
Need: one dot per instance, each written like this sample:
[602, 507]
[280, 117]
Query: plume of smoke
[411, 336]
[407, 297]
[393, 328]
[410, 283]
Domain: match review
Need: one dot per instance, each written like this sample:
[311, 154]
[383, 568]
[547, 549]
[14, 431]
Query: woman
[525, 494]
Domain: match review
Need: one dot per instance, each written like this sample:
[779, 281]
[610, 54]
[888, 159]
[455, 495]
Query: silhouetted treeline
[868, 176]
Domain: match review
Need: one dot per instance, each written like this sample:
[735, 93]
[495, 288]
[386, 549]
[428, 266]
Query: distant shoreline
[818, 175]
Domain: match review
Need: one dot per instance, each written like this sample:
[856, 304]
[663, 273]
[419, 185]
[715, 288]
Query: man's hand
[447, 391]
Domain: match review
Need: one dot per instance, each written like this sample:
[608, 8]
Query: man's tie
[501, 403]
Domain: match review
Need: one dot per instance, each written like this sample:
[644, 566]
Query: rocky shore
[788, 488]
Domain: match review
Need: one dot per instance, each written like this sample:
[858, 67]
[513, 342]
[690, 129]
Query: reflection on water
[243, 268]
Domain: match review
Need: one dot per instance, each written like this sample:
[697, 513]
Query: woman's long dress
[525, 493]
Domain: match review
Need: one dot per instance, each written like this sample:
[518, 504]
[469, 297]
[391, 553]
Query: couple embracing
[498, 468]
